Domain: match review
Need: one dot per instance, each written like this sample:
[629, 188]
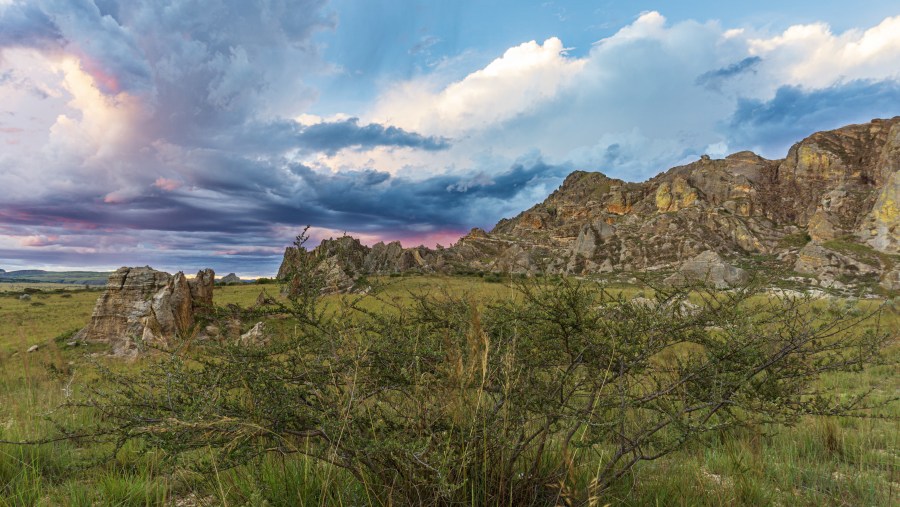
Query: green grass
[56, 277]
[796, 240]
[823, 461]
[863, 253]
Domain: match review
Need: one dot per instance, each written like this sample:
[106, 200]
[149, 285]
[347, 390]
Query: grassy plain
[821, 461]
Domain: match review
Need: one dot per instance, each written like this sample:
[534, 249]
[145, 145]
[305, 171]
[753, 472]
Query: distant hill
[40, 276]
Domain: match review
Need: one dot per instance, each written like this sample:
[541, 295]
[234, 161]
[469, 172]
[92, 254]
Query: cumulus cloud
[27, 25]
[146, 88]
[652, 95]
[813, 56]
[506, 87]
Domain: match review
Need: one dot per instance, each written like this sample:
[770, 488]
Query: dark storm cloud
[382, 204]
[246, 231]
[328, 137]
[331, 137]
[795, 112]
[713, 79]
[365, 200]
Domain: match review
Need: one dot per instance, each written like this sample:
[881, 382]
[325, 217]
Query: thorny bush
[447, 400]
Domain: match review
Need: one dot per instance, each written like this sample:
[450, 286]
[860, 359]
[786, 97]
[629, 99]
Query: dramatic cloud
[328, 137]
[650, 96]
[26, 25]
[186, 225]
[182, 133]
[506, 87]
[813, 56]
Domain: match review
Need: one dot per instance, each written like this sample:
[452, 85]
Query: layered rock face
[143, 304]
[829, 209]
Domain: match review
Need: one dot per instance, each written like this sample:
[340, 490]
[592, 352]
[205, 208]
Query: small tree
[447, 400]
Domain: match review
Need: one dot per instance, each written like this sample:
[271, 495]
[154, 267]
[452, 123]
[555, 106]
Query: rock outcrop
[256, 335]
[145, 305]
[709, 268]
[830, 209]
[230, 279]
[341, 261]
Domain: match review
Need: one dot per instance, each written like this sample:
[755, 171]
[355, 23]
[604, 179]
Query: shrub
[493, 277]
[447, 400]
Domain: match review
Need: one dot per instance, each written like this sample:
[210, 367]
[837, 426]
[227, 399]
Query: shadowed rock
[709, 268]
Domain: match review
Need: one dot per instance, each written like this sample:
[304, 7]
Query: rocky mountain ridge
[829, 211]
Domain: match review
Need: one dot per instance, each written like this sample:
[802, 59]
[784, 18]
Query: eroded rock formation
[143, 305]
[830, 209]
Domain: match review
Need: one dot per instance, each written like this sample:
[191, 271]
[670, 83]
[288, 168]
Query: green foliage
[797, 240]
[862, 252]
[551, 395]
[493, 278]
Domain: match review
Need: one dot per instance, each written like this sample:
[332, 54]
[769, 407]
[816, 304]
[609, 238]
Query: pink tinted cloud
[39, 240]
[444, 237]
[251, 250]
[167, 184]
[106, 81]
[15, 216]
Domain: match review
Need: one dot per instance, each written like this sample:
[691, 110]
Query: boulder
[263, 299]
[710, 269]
[675, 196]
[255, 336]
[586, 243]
[825, 264]
[891, 279]
[145, 305]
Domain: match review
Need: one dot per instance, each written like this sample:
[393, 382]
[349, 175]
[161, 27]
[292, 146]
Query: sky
[185, 134]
